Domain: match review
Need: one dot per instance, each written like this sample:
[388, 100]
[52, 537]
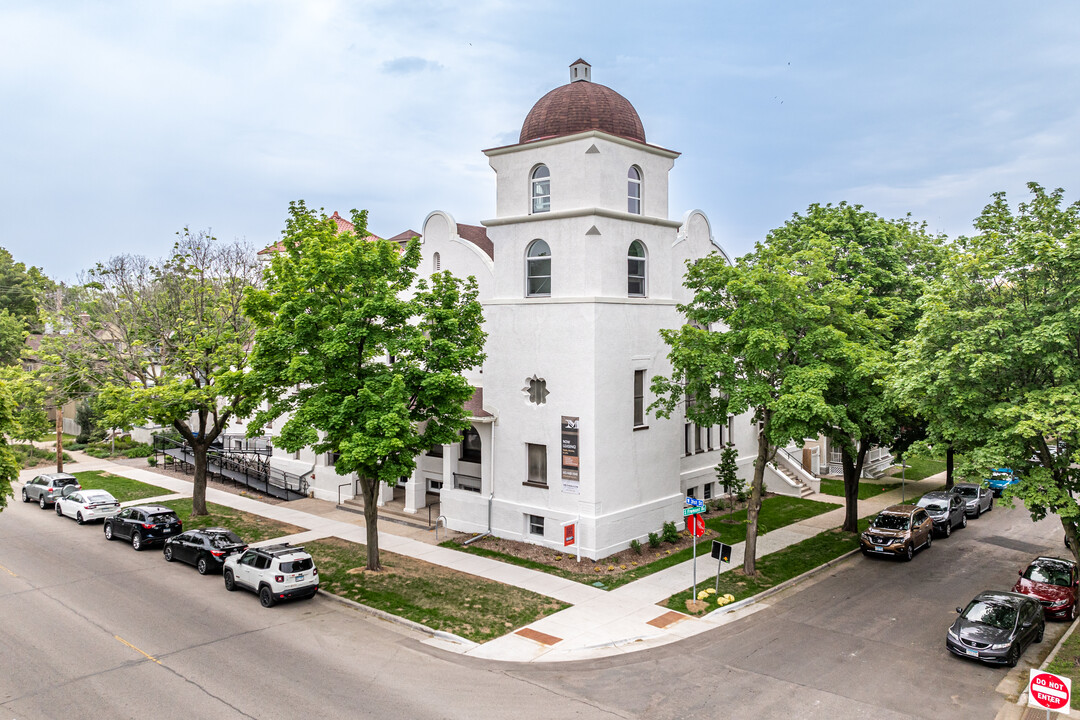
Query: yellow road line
[8, 571]
[150, 657]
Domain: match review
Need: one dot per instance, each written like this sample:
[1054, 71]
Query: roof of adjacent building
[475, 405]
[581, 106]
[477, 235]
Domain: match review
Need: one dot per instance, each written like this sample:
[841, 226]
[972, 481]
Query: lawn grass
[250, 527]
[122, 488]
[867, 489]
[776, 512]
[29, 456]
[774, 568]
[1067, 663]
[438, 597]
[919, 468]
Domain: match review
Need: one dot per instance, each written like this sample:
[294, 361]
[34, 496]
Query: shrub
[635, 545]
[669, 533]
[151, 461]
[97, 452]
[654, 540]
[139, 450]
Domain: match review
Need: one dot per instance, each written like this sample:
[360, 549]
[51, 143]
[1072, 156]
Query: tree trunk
[949, 467]
[198, 491]
[369, 489]
[852, 471]
[1071, 538]
[754, 507]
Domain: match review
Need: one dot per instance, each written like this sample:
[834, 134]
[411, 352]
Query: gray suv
[46, 488]
[947, 509]
[978, 498]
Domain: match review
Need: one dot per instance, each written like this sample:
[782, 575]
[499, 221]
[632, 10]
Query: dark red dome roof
[582, 106]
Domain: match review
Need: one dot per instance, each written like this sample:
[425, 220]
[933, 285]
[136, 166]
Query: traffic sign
[721, 551]
[686, 512]
[694, 502]
[696, 525]
[1049, 691]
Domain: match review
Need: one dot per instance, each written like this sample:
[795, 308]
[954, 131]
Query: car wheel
[168, 554]
[230, 583]
[929, 538]
[1013, 657]
[978, 511]
[948, 530]
[909, 551]
[1072, 612]
[136, 541]
[41, 502]
[79, 518]
[1039, 635]
[266, 597]
[58, 510]
[108, 531]
[202, 566]
[25, 497]
[991, 505]
[963, 521]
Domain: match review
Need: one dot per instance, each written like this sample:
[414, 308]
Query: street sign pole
[719, 567]
[693, 539]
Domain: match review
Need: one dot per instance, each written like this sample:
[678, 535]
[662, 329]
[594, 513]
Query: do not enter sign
[1049, 691]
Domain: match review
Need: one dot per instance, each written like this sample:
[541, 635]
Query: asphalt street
[93, 629]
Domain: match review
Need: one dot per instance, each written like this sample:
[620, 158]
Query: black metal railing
[248, 467]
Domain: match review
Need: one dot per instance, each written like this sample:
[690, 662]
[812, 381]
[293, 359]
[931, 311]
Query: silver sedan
[977, 498]
[87, 505]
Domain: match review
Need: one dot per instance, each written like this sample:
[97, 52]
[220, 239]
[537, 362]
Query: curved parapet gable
[457, 248]
[696, 228]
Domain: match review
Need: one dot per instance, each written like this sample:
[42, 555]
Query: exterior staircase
[804, 489]
[393, 511]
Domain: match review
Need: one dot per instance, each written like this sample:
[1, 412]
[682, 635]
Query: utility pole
[59, 437]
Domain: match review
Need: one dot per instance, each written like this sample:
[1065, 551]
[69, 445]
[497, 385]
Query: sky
[121, 123]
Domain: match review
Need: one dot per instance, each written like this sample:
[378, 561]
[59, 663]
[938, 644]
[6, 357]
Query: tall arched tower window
[436, 263]
[541, 189]
[538, 269]
[633, 190]
[635, 269]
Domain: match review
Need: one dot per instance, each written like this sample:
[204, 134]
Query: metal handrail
[429, 507]
[443, 519]
[347, 484]
[796, 465]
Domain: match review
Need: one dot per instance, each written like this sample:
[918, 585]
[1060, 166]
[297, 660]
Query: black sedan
[143, 525]
[206, 549]
[996, 627]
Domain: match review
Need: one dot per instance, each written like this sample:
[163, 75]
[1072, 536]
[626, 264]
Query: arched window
[538, 269]
[633, 190]
[635, 269]
[436, 263]
[541, 189]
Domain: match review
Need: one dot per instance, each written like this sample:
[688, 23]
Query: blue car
[1001, 479]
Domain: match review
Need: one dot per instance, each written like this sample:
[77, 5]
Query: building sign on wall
[571, 474]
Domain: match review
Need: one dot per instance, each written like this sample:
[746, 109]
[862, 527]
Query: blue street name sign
[694, 502]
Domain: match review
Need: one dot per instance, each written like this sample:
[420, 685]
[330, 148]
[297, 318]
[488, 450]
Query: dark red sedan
[1054, 583]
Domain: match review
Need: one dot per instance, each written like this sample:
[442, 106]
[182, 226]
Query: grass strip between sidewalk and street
[776, 512]
[772, 569]
[438, 597]
[867, 489]
[1067, 663]
[918, 468]
[122, 488]
[250, 527]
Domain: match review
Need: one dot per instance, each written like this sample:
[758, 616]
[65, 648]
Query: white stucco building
[578, 271]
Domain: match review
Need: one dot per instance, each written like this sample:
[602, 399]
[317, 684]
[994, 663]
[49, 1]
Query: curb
[1022, 700]
[398, 620]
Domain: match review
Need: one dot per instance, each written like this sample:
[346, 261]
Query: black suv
[206, 549]
[143, 525]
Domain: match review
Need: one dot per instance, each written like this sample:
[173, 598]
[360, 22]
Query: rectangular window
[435, 451]
[332, 458]
[639, 398]
[708, 438]
[688, 439]
[537, 462]
[699, 446]
[470, 445]
[536, 525]
[708, 491]
[691, 492]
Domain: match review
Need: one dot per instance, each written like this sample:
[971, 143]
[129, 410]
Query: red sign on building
[568, 535]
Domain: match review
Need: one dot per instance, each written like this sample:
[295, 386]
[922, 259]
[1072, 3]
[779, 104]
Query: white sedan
[87, 505]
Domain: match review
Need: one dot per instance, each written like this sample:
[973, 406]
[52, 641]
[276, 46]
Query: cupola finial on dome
[580, 70]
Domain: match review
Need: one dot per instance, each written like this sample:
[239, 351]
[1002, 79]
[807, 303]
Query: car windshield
[295, 566]
[220, 540]
[164, 518]
[998, 475]
[1049, 573]
[888, 521]
[994, 614]
[100, 496]
[968, 491]
[935, 506]
[58, 482]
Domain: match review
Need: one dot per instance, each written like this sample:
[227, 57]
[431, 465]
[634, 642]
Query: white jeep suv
[274, 572]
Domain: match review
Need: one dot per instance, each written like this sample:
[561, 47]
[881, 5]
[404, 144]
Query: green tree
[758, 339]
[727, 473]
[166, 342]
[365, 358]
[886, 264]
[12, 338]
[28, 412]
[9, 465]
[22, 290]
[995, 365]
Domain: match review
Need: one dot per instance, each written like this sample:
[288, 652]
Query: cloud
[409, 65]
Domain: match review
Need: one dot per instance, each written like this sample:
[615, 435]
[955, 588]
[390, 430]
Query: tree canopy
[995, 364]
[363, 357]
[9, 465]
[22, 290]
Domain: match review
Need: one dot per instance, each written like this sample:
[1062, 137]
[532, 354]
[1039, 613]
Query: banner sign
[568, 535]
[571, 474]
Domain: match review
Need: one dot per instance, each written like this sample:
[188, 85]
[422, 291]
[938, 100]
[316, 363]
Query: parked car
[46, 488]
[86, 505]
[996, 627]
[977, 498]
[274, 572]
[206, 548]
[1054, 583]
[1001, 479]
[898, 530]
[143, 525]
[947, 510]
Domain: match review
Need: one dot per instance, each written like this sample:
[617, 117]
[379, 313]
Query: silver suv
[45, 489]
[274, 572]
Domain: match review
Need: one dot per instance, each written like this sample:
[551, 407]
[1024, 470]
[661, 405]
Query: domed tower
[585, 271]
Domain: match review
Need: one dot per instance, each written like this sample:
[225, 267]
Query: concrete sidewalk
[599, 623]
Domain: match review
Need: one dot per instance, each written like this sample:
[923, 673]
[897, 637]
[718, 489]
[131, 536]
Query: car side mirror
[1020, 573]
[959, 610]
